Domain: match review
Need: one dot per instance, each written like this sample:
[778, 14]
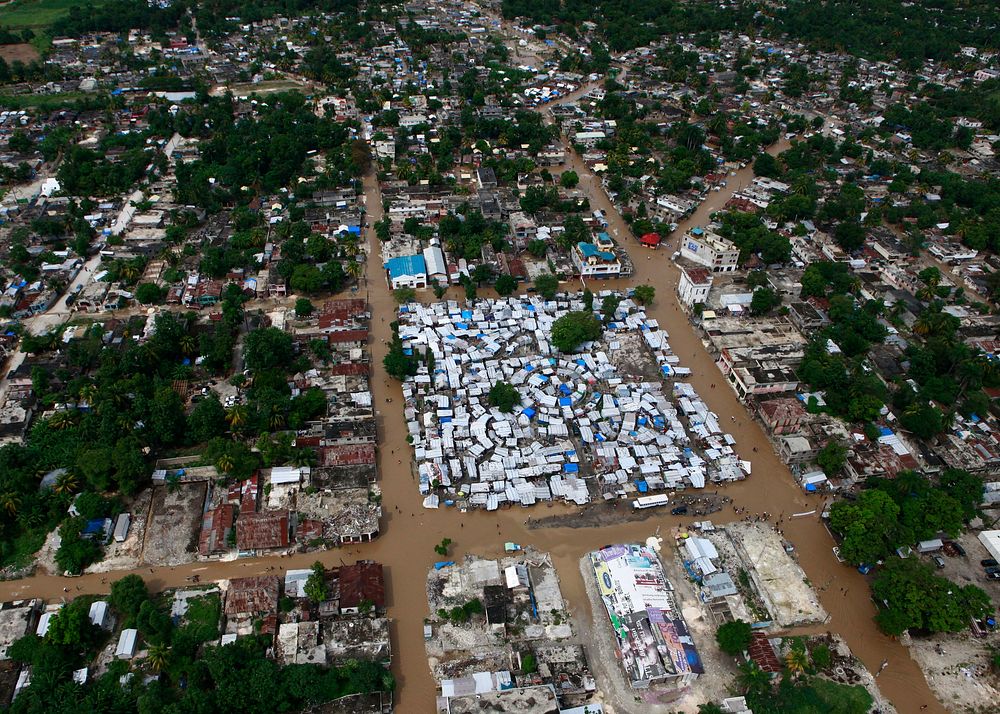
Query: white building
[707, 248]
[597, 261]
[694, 285]
[434, 262]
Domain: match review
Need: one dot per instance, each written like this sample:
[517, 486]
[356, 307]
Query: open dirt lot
[957, 667]
[174, 524]
[124, 556]
[19, 53]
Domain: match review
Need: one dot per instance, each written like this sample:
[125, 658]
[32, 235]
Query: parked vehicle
[989, 563]
[938, 561]
[679, 511]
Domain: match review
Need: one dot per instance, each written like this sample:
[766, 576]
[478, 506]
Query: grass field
[20, 14]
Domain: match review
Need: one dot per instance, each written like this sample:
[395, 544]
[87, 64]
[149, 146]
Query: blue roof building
[406, 271]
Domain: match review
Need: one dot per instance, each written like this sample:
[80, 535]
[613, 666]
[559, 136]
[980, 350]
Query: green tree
[832, 457]
[505, 285]
[609, 306]
[268, 348]
[913, 596]
[71, 627]
[734, 637]
[644, 294]
[575, 328]
[404, 295]
[547, 285]
[128, 594]
[868, 526]
[303, 307]
[569, 179]
[538, 248]
[149, 293]
[504, 396]
[207, 420]
[166, 416]
[763, 301]
[316, 588]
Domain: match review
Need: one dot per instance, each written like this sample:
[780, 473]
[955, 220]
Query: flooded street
[409, 532]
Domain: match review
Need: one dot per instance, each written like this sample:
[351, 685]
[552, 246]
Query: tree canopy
[575, 328]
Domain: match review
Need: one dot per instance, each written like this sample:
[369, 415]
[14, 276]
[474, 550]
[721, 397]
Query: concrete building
[597, 260]
[694, 285]
[711, 250]
[407, 271]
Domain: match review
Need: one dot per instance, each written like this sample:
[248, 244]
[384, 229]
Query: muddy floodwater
[409, 532]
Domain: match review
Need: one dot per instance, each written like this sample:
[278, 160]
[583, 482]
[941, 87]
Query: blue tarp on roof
[571, 468]
[94, 526]
[466, 314]
[462, 325]
[565, 389]
[529, 368]
[642, 485]
[885, 431]
[565, 402]
[406, 265]
[590, 250]
[529, 412]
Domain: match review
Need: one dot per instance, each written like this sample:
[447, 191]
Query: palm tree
[225, 463]
[350, 248]
[130, 272]
[62, 420]
[157, 657]
[796, 661]
[305, 457]
[276, 421]
[88, 392]
[354, 269]
[236, 416]
[753, 679]
[187, 344]
[10, 502]
[66, 482]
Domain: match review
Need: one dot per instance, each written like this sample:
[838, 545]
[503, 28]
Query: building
[795, 449]
[693, 286]
[406, 271]
[127, 643]
[651, 636]
[707, 248]
[650, 240]
[783, 415]
[597, 260]
[262, 531]
[991, 541]
[764, 378]
[435, 265]
[361, 583]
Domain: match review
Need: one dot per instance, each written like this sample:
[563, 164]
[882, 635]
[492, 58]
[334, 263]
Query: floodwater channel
[409, 532]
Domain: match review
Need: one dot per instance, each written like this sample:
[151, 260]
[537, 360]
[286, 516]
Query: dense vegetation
[913, 597]
[899, 512]
[879, 29]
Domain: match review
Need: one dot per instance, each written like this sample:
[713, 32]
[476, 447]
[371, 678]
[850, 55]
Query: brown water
[409, 533]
